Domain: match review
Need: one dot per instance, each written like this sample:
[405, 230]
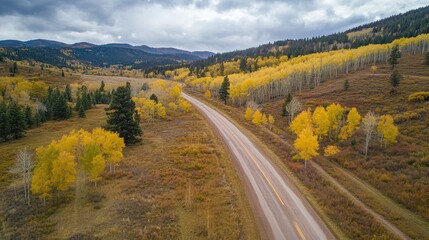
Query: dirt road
[283, 211]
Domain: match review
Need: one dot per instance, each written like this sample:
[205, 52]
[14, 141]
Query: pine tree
[346, 85]
[59, 106]
[15, 67]
[28, 117]
[224, 89]
[37, 119]
[62, 73]
[243, 64]
[120, 116]
[395, 54]
[154, 97]
[288, 99]
[81, 111]
[4, 122]
[16, 120]
[102, 85]
[395, 78]
[67, 93]
[222, 69]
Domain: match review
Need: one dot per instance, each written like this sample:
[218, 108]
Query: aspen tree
[307, 145]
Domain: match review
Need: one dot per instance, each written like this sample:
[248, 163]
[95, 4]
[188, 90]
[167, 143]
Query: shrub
[419, 97]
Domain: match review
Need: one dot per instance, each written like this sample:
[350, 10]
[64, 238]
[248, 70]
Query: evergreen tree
[4, 122]
[395, 54]
[288, 99]
[15, 67]
[222, 69]
[243, 64]
[120, 116]
[154, 97]
[395, 78]
[224, 89]
[67, 93]
[62, 73]
[59, 106]
[16, 120]
[102, 85]
[28, 117]
[37, 119]
[145, 87]
[346, 85]
[81, 111]
[78, 103]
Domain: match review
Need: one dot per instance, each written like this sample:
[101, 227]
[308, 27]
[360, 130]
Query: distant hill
[67, 55]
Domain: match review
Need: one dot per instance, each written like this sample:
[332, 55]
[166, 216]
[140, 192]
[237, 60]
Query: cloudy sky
[214, 25]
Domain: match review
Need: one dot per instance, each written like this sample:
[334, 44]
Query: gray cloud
[216, 25]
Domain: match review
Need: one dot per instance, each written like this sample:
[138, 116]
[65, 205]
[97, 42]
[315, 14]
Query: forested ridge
[409, 24]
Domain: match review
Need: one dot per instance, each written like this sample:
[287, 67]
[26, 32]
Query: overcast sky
[214, 25]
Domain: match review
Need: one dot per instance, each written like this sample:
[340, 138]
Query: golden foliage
[320, 121]
[56, 165]
[353, 120]
[331, 150]
[257, 118]
[208, 94]
[301, 122]
[387, 129]
[306, 144]
[249, 114]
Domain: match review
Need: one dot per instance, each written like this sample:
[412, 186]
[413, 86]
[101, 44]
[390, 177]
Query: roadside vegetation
[177, 183]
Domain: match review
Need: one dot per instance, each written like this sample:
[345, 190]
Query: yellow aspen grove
[63, 171]
[257, 118]
[387, 130]
[56, 165]
[335, 116]
[98, 164]
[208, 94]
[160, 111]
[307, 145]
[320, 122]
[331, 150]
[301, 122]
[353, 121]
[264, 119]
[277, 77]
[249, 114]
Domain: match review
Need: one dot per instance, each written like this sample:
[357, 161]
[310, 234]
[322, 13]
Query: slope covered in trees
[409, 24]
[306, 71]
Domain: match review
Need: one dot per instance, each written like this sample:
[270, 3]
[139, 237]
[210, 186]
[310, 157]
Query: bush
[419, 97]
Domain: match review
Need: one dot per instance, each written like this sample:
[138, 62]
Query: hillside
[409, 24]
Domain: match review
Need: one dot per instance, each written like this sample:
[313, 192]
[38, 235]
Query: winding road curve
[284, 212]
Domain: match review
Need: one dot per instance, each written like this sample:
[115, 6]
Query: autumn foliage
[58, 163]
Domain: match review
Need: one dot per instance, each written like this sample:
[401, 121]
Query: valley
[308, 138]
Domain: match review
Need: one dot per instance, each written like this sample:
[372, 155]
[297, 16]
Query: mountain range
[144, 48]
[69, 55]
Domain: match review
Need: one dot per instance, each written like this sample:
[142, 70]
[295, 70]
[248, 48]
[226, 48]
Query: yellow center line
[298, 229]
